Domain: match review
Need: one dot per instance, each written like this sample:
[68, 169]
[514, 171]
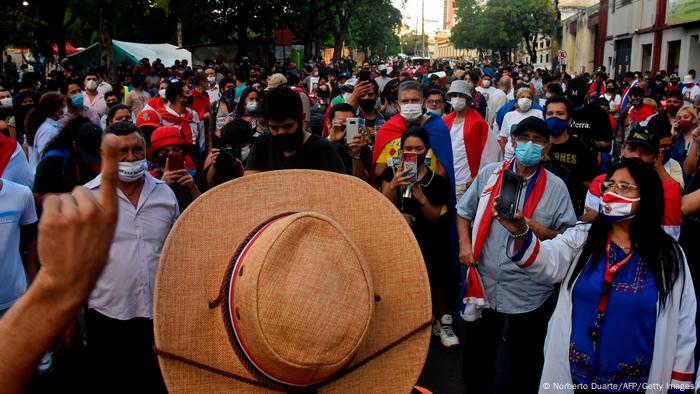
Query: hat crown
[301, 299]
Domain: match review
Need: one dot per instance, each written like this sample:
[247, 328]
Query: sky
[411, 13]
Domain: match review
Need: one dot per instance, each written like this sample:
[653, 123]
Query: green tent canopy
[132, 52]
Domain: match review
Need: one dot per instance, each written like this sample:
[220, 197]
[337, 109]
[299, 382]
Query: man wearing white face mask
[94, 99]
[212, 87]
[387, 145]
[523, 109]
[473, 146]
[495, 98]
[120, 308]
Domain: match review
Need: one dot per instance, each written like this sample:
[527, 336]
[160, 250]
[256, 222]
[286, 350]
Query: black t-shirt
[433, 238]
[572, 161]
[591, 123]
[365, 157]
[315, 154]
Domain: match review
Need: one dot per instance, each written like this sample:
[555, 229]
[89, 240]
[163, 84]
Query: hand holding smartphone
[509, 197]
[352, 127]
[410, 165]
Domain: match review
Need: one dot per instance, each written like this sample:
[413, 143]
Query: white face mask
[245, 151]
[91, 85]
[132, 171]
[486, 83]
[458, 103]
[437, 112]
[161, 93]
[6, 102]
[251, 106]
[524, 103]
[411, 112]
[211, 79]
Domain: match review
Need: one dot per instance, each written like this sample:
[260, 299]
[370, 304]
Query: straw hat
[288, 288]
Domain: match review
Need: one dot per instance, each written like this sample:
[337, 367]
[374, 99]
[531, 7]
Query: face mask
[346, 96]
[251, 106]
[112, 104]
[420, 159]
[528, 154]
[685, 124]
[91, 85]
[390, 110]
[486, 83]
[637, 102]
[245, 151]
[436, 112]
[458, 103]
[211, 79]
[616, 208]
[667, 156]
[524, 103]
[322, 93]
[557, 125]
[367, 105]
[131, 171]
[289, 142]
[161, 93]
[411, 112]
[77, 100]
[6, 102]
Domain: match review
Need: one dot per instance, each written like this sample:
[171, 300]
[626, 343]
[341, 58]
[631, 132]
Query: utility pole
[422, 27]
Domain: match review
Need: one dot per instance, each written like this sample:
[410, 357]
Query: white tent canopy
[167, 53]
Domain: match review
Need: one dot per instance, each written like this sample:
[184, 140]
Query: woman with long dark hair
[625, 315]
[247, 104]
[423, 201]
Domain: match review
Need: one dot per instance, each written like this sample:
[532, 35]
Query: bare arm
[430, 212]
[691, 203]
[466, 254]
[81, 226]
[690, 165]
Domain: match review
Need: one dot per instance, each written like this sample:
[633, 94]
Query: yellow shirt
[391, 150]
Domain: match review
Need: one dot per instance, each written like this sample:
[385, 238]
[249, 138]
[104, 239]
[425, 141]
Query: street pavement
[442, 373]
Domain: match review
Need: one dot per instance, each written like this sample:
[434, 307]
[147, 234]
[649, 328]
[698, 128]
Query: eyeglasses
[434, 102]
[522, 139]
[622, 187]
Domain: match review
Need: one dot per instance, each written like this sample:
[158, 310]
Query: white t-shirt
[614, 104]
[690, 93]
[18, 169]
[459, 154]
[510, 121]
[16, 209]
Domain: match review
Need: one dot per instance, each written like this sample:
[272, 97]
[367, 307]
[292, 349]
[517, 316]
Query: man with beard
[287, 145]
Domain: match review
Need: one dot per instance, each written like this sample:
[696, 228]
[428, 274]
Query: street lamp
[25, 3]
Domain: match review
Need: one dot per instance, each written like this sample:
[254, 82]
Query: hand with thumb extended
[76, 230]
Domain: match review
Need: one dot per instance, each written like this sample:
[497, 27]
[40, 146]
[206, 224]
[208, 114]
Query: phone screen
[509, 198]
[175, 161]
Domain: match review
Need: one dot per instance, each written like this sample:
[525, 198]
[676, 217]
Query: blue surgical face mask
[528, 154]
[557, 125]
[77, 100]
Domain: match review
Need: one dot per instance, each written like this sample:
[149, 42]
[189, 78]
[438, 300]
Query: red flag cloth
[7, 148]
[475, 136]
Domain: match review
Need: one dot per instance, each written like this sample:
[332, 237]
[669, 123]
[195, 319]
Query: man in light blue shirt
[509, 338]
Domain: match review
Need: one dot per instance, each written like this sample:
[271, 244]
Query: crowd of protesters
[610, 197]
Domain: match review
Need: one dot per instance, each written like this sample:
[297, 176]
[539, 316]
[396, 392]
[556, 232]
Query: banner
[682, 11]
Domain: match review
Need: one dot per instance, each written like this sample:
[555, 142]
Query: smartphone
[352, 127]
[364, 75]
[511, 187]
[410, 163]
[176, 161]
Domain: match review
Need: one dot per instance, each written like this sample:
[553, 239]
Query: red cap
[148, 117]
[164, 136]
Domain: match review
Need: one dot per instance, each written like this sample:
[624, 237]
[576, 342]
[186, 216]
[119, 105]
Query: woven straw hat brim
[204, 239]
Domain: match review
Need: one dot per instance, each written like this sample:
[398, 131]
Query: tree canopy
[502, 25]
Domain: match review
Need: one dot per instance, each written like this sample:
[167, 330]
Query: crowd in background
[188, 128]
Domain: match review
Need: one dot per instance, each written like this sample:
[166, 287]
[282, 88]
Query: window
[547, 58]
[646, 57]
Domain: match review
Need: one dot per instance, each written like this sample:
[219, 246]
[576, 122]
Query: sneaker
[447, 336]
[437, 328]
[46, 364]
